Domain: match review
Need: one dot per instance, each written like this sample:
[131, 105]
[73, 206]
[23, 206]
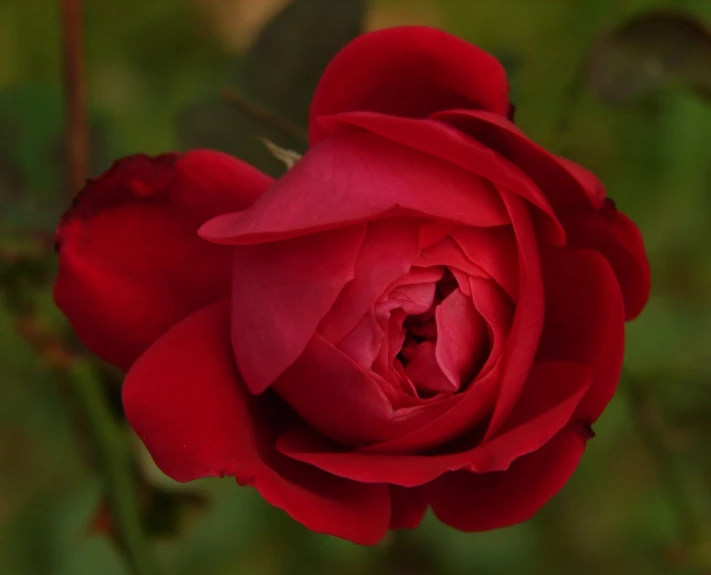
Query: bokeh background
[621, 86]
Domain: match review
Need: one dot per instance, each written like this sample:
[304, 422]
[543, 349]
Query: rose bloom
[426, 311]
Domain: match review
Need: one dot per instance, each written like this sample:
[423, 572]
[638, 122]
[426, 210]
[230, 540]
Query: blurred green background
[621, 86]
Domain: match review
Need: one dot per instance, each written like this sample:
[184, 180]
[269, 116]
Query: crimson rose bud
[426, 311]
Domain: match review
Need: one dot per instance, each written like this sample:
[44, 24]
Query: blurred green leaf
[280, 73]
[32, 174]
[169, 510]
[649, 51]
[289, 57]
[95, 555]
[217, 125]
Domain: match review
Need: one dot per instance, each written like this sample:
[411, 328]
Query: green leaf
[289, 57]
[651, 51]
[32, 168]
[280, 74]
[217, 125]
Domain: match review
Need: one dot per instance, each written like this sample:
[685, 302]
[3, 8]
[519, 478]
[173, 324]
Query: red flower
[427, 310]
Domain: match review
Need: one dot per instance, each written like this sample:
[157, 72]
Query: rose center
[444, 345]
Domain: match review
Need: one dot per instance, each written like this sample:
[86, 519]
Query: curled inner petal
[424, 336]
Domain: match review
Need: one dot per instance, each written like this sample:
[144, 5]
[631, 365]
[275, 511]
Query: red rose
[427, 310]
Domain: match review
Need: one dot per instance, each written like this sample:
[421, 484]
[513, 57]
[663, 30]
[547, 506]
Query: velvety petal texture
[409, 71]
[382, 179]
[426, 311]
[130, 262]
[479, 502]
[298, 280]
[185, 394]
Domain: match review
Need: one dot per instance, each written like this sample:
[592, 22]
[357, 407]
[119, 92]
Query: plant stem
[259, 112]
[75, 95]
[107, 447]
[107, 434]
[113, 454]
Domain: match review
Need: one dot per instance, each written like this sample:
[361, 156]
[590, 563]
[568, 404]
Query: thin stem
[259, 112]
[113, 453]
[75, 95]
[107, 447]
[107, 434]
[653, 434]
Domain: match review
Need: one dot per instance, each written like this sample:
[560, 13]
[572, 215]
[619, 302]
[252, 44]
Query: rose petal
[131, 264]
[498, 311]
[494, 250]
[280, 293]
[396, 336]
[584, 320]
[416, 277]
[446, 142]
[462, 338]
[474, 405]
[589, 182]
[388, 250]
[566, 185]
[447, 253]
[462, 413]
[425, 372]
[342, 401]
[534, 421]
[431, 233]
[409, 71]
[358, 177]
[408, 507]
[479, 502]
[364, 342]
[528, 320]
[409, 295]
[185, 399]
[211, 182]
[618, 239]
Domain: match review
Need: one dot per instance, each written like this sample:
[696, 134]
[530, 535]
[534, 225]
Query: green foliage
[31, 136]
[582, 83]
[650, 51]
[280, 73]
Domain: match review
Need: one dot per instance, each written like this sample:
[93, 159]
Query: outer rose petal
[408, 507]
[209, 182]
[185, 399]
[356, 178]
[409, 71]
[589, 182]
[584, 321]
[443, 141]
[566, 185]
[534, 421]
[479, 502]
[130, 262]
[615, 236]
